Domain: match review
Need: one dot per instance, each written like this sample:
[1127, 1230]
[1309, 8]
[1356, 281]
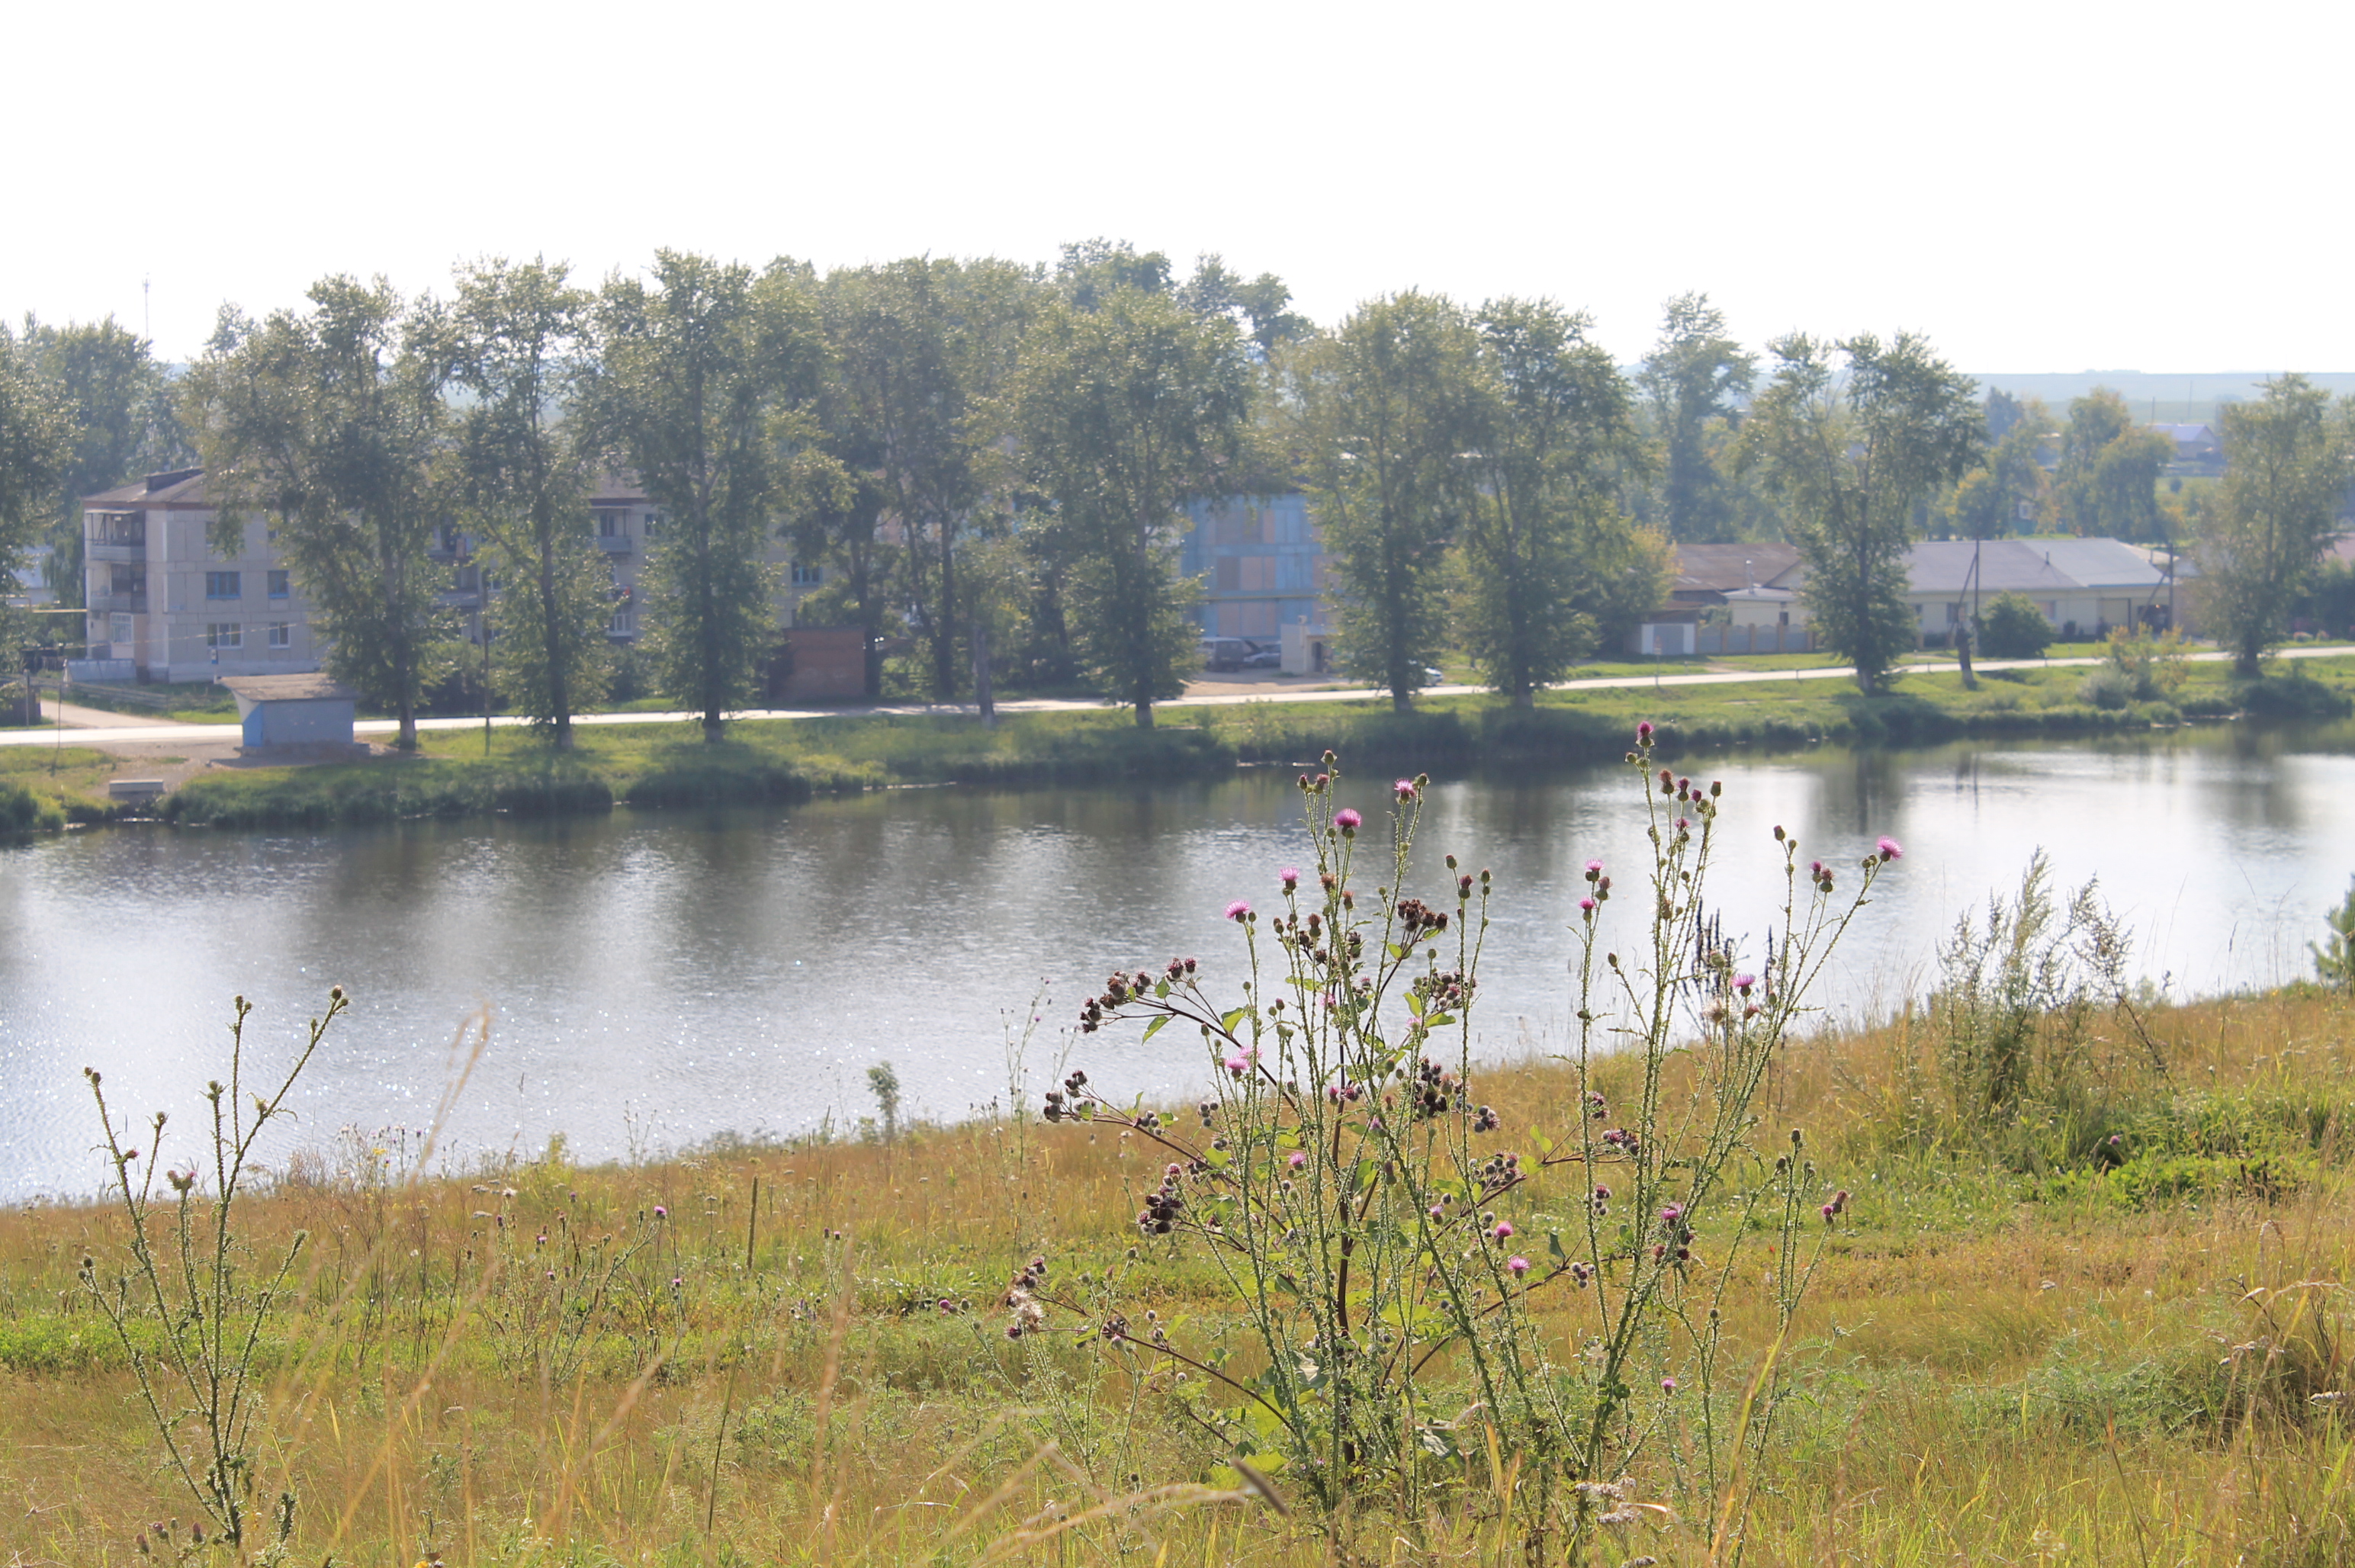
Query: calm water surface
[653, 979]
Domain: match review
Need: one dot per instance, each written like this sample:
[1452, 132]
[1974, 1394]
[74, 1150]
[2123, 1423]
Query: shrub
[22, 811]
[2017, 994]
[2012, 627]
[1383, 1240]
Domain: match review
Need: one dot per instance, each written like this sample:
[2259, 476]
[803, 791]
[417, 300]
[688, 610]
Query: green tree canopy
[2286, 471]
[120, 421]
[704, 387]
[2108, 480]
[1124, 412]
[1853, 434]
[1549, 559]
[517, 338]
[1380, 411]
[1693, 385]
[332, 421]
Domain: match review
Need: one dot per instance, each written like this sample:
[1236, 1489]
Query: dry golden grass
[1994, 1367]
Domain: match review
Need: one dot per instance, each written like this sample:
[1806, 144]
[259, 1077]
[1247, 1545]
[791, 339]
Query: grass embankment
[785, 760]
[2026, 1343]
[45, 787]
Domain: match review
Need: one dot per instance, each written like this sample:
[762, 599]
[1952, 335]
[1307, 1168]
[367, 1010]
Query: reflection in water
[701, 971]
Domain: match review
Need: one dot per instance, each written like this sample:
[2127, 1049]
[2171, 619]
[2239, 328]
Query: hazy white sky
[2060, 186]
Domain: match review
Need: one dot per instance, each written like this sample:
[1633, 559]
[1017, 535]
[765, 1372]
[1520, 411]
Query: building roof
[2030, 566]
[1719, 569]
[288, 688]
[180, 487]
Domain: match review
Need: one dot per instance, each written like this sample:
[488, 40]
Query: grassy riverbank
[2026, 1343]
[669, 765]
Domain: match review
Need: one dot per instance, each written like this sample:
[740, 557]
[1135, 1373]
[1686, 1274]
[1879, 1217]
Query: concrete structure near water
[283, 712]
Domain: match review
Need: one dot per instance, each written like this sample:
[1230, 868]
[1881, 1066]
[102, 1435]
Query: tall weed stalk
[188, 1310]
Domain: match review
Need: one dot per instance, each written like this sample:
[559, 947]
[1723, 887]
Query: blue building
[1261, 563]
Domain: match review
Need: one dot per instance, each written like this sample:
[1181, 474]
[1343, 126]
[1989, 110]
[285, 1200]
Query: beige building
[163, 603]
[163, 607]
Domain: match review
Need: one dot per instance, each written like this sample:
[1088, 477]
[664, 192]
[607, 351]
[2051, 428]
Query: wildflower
[1580, 1273]
[1742, 982]
[1297, 1160]
[1504, 1230]
[1289, 877]
[1594, 870]
[1644, 733]
[661, 1212]
[1405, 788]
[1683, 822]
[1238, 1066]
[1348, 821]
[1672, 1213]
[1517, 1266]
[675, 1281]
[1586, 907]
[1667, 1385]
[1602, 1194]
[1828, 1212]
[1890, 848]
[1239, 909]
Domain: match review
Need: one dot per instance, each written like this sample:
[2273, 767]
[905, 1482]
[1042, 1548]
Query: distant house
[2084, 587]
[2196, 445]
[1709, 575]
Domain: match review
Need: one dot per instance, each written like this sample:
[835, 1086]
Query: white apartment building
[160, 599]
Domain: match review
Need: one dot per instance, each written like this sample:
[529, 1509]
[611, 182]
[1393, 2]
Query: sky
[2037, 187]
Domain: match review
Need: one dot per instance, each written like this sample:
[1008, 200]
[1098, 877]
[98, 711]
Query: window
[279, 587]
[611, 524]
[118, 628]
[224, 585]
[221, 634]
[282, 634]
[807, 576]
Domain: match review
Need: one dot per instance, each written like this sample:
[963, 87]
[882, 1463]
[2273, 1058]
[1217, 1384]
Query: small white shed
[288, 710]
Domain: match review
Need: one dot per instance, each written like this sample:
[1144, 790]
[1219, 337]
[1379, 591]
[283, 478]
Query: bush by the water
[22, 811]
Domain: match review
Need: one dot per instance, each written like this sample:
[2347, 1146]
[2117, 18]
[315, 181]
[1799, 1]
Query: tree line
[990, 459]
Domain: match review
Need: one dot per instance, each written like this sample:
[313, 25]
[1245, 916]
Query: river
[652, 979]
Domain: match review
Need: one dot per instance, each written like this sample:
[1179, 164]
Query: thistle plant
[188, 1310]
[1390, 1239]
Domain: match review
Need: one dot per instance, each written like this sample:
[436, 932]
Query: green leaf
[1155, 1027]
[1234, 1018]
[1542, 1144]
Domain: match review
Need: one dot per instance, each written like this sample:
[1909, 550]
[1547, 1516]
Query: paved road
[104, 729]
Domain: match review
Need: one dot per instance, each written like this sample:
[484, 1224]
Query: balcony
[132, 600]
[116, 548]
[614, 544]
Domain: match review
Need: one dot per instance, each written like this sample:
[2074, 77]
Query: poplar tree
[2288, 459]
[332, 422]
[1551, 561]
[1851, 434]
[1381, 409]
[703, 386]
[517, 340]
[1124, 412]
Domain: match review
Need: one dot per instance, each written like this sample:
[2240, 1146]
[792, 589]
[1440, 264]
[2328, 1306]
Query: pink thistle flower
[1594, 870]
[1890, 848]
[1683, 822]
[1297, 1160]
[1667, 1385]
[1586, 906]
[1289, 877]
[1504, 1230]
[661, 1212]
[1644, 733]
[1517, 1266]
[1347, 820]
[1238, 1066]
[1742, 982]
[1405, 788]
[1238, 910]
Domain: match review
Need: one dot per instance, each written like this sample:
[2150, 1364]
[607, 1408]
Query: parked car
[1263, 657]
[1224, 653]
